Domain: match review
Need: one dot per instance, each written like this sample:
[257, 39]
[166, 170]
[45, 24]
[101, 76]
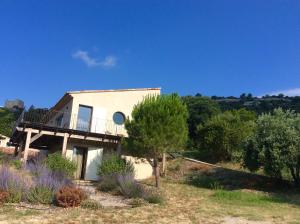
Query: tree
[275, 145]
[158, 125]
[200, 110]
[6, 121]
[221, 137]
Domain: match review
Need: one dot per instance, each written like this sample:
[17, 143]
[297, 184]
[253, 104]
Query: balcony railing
[70, 121]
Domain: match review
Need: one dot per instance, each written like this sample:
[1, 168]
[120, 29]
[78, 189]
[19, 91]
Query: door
[94, 158]
[79, 157]
[84, 118]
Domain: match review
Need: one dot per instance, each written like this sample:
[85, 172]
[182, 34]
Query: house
[82, 125]
[3, 140]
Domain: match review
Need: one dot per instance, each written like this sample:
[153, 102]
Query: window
[84, 118]
[119, 118]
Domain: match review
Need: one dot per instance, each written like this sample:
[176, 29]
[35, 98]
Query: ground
[194, 193]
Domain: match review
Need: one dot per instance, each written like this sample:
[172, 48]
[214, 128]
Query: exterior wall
[105, 104]
[66, 111]
[142, 167]
[3, 141]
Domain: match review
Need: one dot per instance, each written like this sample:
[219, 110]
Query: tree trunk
[164, 165]
[156, 171]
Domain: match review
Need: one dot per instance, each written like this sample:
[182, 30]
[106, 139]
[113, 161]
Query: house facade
[83, 125]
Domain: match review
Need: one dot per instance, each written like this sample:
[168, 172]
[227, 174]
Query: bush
[90, 204]
[16, 163]
[56, 162]
[108, 183]
[3, 196]
[154, 197]
[129, 187]
[69, 197]
[137, 202]
[114, 164]
[15, 196]
[40, 194]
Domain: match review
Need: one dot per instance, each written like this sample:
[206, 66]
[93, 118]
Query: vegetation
[201, 109]
[113, 164]
[69, 196]
[6, 121]
[158, 126]
[57, 163]
[221, 136]
[275, 145]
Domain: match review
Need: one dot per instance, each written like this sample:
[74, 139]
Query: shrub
[57, 163]
[108, 183]
[69, 197]
[15, 196]
[137, 202]
[90, 204]
[40, 194]
[114, 164]
[129, 187]
[3, 196]
[15, 183]
[16, 163]
[154, 197]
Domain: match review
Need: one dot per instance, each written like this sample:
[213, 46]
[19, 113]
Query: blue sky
[223, 47]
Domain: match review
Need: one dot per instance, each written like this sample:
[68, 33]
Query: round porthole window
[119, 118]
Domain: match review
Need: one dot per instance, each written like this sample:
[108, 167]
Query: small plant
[15, 196]
[90, 204]
[57, 163]
[154, 197]
[40, 194]
[17, 164]
[137, 202]
[114, 164]
[215, 185]
[70, 197]
[3, 196]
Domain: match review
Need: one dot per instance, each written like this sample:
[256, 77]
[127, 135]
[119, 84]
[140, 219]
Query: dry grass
[185, 204]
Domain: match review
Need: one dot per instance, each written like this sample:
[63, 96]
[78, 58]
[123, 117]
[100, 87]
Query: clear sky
[214, 47]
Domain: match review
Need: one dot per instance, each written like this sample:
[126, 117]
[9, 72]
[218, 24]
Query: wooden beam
[62, 134]
[64, 146]
[27, 143]
[36, 137]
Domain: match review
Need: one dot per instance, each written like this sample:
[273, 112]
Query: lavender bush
[35, 183]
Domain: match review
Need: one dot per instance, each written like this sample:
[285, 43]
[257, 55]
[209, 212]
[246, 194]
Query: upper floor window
[119, 118]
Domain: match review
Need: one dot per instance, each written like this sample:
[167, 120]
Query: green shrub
[42, 195]
[56, 162]
[15, 196]
[16, 164]
[114, 164]
[90, 204]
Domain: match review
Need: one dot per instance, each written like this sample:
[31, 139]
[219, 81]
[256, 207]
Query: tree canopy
[275, 145]
[158, 125]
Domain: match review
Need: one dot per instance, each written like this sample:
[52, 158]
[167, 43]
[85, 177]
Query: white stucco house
[3, 140]
[83, 125]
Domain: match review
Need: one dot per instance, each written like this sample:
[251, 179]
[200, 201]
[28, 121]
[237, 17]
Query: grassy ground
[194, 194]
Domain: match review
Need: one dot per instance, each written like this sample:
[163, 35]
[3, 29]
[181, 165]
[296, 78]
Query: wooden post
[164, 165]
[64, 146]
[27, 143]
